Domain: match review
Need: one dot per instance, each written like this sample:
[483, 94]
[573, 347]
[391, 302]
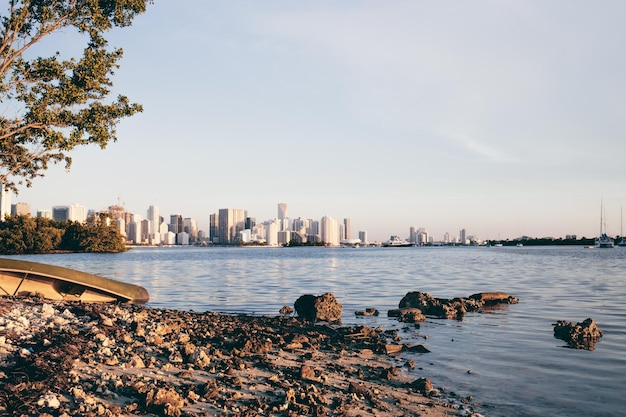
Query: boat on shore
[21, 278]
[396, 242]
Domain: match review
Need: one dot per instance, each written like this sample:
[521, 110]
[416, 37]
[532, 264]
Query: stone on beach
[319, 308]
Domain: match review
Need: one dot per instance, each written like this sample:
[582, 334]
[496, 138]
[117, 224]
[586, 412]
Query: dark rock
[422, 385]
[319, 308]
[492, 298]
[367, 312]
[583, 335]
[418, 349]
[454, 308]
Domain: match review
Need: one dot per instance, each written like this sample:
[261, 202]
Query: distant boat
[22, 278]
[520, 245]
[604, 241]
[396, 242]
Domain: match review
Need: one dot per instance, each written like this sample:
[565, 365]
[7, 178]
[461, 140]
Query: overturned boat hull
[20, 278]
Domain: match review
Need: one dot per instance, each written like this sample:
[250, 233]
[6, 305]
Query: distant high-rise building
[77, 213]
[231, 222]
[271, 233]
[5, 203]
[346, 228]
[155, 219]
[20, 209]
[60, 213]
[462, 237]
[214, 228]
[330, 231]
[45, 213]
[413, 234]
[284, 237]
[313, 228]
[146, 227]
[282, 211]
[117, 212]
[190, 226]
[176, 223]
[250, 223]
[299, 225]
[363, 237]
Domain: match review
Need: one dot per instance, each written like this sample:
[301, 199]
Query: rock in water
[583, 335]
[319, 308]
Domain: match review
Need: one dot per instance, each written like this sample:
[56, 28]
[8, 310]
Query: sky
[505, 118]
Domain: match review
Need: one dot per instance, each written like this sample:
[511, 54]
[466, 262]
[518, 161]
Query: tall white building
[155, 221]
[462, 237]
[77, 213]
[330, 231]
[271, 233]
[5, 203]
[363, 237]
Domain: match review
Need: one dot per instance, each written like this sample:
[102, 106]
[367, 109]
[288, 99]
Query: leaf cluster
[26, 235]
[54, 104]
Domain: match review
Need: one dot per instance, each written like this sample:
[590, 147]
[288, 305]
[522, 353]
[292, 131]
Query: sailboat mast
[601, 214]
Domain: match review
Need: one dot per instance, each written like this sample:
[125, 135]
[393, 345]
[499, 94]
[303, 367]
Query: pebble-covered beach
[71, 359]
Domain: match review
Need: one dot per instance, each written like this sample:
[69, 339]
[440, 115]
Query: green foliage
[25, 235]
[53, 104]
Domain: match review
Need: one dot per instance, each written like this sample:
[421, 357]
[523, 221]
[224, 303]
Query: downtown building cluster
[234, 227]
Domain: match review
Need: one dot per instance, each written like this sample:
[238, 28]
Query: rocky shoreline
[70, 359]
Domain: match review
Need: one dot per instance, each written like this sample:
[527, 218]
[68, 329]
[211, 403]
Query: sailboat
[603, 241]
[622, 243]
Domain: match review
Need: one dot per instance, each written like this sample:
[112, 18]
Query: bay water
[506, 359]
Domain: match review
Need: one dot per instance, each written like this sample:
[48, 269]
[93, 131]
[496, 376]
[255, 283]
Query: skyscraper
[153, 216]
[346, 228]
[176, 223]
[214, 228]
[282, 211]
[231, 222]
[330, 231]
[190, 226]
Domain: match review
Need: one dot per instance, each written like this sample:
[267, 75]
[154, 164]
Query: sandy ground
[69, 359]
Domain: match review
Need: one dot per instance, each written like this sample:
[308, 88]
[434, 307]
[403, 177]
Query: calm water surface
[517, 367]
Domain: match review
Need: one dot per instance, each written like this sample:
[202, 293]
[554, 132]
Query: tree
[56, 103]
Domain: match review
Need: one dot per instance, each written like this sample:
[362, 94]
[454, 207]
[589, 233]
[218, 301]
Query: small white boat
[22, 278]
[604, 241]
[397, 242]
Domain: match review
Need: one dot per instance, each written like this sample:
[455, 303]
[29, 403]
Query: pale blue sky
[501, 117]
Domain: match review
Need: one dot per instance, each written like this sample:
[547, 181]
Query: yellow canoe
[19, 278]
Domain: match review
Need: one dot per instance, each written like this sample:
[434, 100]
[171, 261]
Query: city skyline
[344, 223]
[502, 119]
